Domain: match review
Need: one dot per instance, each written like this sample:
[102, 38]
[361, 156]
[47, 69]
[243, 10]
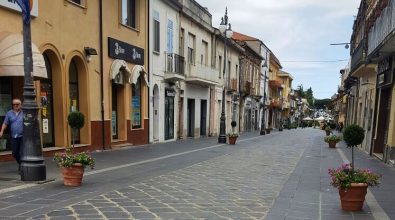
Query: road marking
[377, 212]
[159, 158]
[24, 186]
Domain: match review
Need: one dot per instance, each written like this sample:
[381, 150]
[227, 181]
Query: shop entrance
[114, 112]
[47, 113]
[191, 117]
[169, 114]
[383, 120]
[203, 117]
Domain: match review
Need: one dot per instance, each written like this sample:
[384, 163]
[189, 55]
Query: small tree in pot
[76, 120]
[233, 135]
[72, 164]
[353, 183]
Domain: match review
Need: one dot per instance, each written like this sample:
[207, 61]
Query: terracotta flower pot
[352, 198]
[232, 140]
[332, 144]
[72, 176]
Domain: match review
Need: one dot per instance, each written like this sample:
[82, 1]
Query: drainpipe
[149, 71]
[101, 72]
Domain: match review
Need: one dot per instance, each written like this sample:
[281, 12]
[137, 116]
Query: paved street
[278, 176]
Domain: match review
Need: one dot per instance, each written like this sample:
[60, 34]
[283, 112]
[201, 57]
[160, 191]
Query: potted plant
[72, 164]
[328, 130]
[332, 140]
[352, 184]
[233, 135]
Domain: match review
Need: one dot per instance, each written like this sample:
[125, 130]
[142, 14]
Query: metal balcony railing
[383, 25]
[175, 64]
[358, 55]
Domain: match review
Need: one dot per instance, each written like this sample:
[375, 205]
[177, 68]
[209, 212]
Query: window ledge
[131, 28]
[75, 4]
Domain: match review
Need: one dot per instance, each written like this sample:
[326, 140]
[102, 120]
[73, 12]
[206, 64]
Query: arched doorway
[156, 113]
[52, 100]
[46, 102]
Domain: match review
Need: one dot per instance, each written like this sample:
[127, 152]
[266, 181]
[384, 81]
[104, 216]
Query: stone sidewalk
[278, 176]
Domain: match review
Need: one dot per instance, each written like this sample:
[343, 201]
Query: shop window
[136, 104]
[74, 94]
[129, 13]
[5, 106]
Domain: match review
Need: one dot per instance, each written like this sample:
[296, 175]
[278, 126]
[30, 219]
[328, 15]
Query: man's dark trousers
[16, 145]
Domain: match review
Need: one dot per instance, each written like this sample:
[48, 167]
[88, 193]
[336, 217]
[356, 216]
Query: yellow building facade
[70, 43]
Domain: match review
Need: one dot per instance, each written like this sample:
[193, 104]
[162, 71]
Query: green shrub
[353, 135]
[76, 120]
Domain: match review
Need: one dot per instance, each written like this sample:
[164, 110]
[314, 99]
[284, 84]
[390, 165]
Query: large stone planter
[72, 176]
[352, 198]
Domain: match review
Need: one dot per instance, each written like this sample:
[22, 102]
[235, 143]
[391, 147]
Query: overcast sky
[296, 30]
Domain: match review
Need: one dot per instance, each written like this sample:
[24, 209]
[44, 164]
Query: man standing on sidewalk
[14, 119]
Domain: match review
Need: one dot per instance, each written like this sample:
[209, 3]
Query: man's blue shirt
[15, 121]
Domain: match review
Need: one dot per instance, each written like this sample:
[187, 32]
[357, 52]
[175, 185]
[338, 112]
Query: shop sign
[124, 51]
[11, 4]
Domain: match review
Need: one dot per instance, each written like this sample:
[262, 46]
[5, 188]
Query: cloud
[296, 30]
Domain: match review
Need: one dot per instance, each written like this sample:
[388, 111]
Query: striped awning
[11, 57]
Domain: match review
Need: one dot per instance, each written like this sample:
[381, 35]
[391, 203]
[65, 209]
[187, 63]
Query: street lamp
[264, 66]
[225, 29]
[32, 161]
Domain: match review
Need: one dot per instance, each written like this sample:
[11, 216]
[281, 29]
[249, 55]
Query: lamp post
[226, 29]
[264, 100]
[32, 161]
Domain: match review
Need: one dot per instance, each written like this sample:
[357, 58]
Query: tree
[310, 97]
[321, 103]
[300, 91]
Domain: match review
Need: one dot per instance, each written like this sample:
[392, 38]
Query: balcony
[232, 85]
[274, 84]
[275, 103]
[381, 26]
[175, 67]
[246, 87]
[201, 74]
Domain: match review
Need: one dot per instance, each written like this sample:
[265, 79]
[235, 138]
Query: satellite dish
[347, 46]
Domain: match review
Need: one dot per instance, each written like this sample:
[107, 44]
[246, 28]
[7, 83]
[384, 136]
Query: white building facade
[196, 37]
[166, 70]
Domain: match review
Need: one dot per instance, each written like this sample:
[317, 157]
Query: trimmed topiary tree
[76, 120]
[353, 135]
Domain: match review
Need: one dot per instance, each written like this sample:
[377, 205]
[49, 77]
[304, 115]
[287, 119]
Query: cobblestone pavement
[240, 185]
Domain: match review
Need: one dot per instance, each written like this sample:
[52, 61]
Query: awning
[11, 57]
[118, 71]
[136, 72]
